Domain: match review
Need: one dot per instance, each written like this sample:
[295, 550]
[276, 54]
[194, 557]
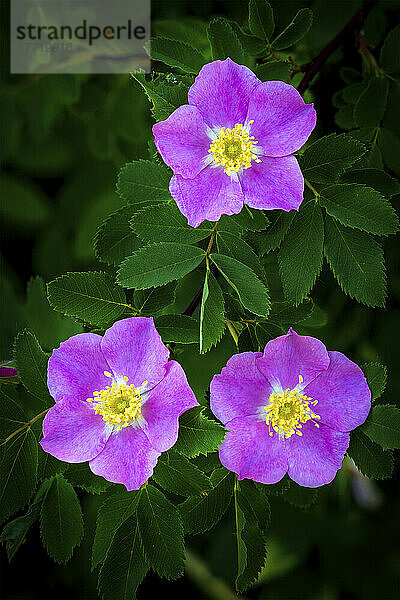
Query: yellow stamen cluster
[119, 404]
[287, 411]
[234, 148]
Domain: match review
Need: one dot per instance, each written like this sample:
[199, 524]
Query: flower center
[287, 411]
[119, 404]
[234, 148]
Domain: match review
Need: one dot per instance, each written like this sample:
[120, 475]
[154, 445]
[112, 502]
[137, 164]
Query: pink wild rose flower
[289, 410]
[233, 144]
[118, 400]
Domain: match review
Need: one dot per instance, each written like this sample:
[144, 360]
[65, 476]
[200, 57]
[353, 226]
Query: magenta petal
[273, 183]
[76, 368]
[211, 194]
[252, 453]
[240, 390]
[222, 91]
[164, 405]
[316, 456]
[127, 458]
[344, 398]
[133, 349]
[182, 141]
[288, 356]
[282, 120]
[73, 432]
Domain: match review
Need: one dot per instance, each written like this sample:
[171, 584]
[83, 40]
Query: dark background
[64, 139]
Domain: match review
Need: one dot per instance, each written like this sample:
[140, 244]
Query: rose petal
[208, 196]
[164, 405]
[240, 390]
[288, 356]
[222, 91]
[133, 349]
[316, 456]
[76, 368]
[127, 458]
[344, 398]
[73, 432]
[282, 120]
[252, 453]
[182, 141]
[273, 183]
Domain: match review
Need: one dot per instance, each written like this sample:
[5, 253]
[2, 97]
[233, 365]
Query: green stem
[25, 425]
[312, 188]
[233, 331]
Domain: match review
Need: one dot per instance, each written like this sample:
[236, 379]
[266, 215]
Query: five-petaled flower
[289, 410]
[118, 400]
[232, 144]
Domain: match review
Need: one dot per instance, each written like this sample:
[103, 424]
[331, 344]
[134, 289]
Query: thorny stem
[26, 425]
[356, 22]
[315, 65]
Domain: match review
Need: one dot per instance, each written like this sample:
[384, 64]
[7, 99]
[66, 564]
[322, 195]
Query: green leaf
[176, 474]
[166, 223]
[370, 459]
[115, 239]
[249, 505]
[125, 565]
[176, 54]
[252, 293]
[224, 41]
[275, 489]
[299, 496]
[12, 416]
[248, 218]
[273, 71]
[31, 363]
[383, 426]
[251, 44]
[390, 56]
[254, 504]
[389, 145]
[300, 256]
[49, 465]
[212, 310]
[144, 181]
[118, 506]
[201, 513]
[198, 434]
[158, 264]
[374, 178]
[295, 31]
[61, 522]
[261, 19]
[14, 533]
[165, 93]
[351, 93]
[285, 314]
[162, 533]
[272, 238]
[80, 475]
[151, 301]
[180, 329]
[371, 105]
[344, 117]
[18, 468]
[232, 245]
[90, 296]
[357, 263]
[50, 327]
[328, 157]
[376, 376]
[355, 205]
[349, 75]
